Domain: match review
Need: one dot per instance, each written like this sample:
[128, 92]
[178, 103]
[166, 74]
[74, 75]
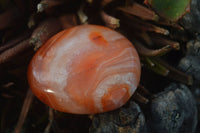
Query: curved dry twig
[150, 52]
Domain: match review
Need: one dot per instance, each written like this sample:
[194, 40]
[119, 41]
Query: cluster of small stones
[190, 65]
[170, 111]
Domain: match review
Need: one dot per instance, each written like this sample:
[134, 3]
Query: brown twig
[44, 31]
[27, 102]
[163, 42]
[83, 18]
[40, 35]
[142, 90]
[148, 61]
[171, 24]
[110, 21]
[12, 52]
[150, 52]
[142, 36]
[51, 117]
[137, 24]
[140, 11]
[45, 4]
[139, 98]
[176, 74]
[157, 67]
[105, 2]
[146, 38]
[14, 41]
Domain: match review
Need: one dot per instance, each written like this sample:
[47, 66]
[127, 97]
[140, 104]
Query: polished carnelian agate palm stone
[87, 69]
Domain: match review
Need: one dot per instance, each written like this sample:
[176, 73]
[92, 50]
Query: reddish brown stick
[163, 42]
[14, 42]
[110, 21]
[51, 117]
[8, 54]
[150, 52]
[140, 11]
[27, 102]
[44, 31]
[105, 2]
[40, 35]
[135, 23]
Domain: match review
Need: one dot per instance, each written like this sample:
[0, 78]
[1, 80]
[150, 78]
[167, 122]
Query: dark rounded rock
[173, 111]
[190, 65]
[127, 119]
[191, 20]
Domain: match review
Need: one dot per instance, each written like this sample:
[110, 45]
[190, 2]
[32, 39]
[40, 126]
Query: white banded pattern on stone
[85, 70]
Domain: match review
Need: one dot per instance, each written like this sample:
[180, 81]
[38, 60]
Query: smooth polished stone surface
[86, 69]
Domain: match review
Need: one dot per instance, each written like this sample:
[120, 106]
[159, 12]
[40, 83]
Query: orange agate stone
[86, 69]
